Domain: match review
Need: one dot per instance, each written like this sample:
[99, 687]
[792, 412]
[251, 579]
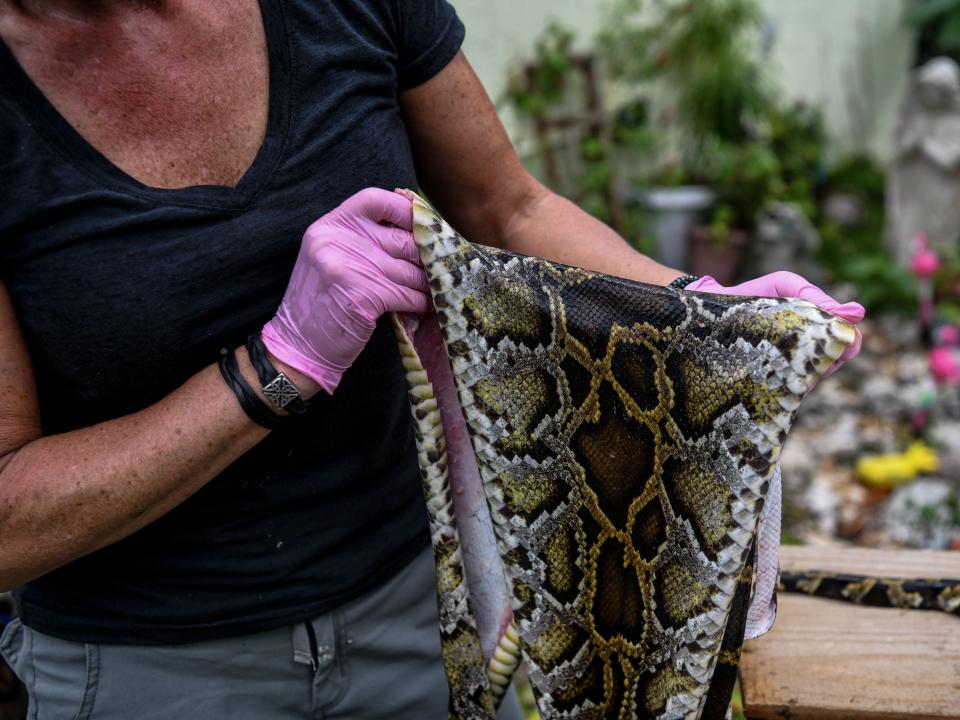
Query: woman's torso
[125, 289]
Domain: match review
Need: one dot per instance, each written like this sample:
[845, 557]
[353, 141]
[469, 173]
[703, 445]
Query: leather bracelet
[275, 385]
[681, 282]
[252, 405]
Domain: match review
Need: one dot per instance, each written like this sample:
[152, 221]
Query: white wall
[851, 55]
[501, 34]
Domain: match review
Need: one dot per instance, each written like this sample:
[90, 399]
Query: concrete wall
[853, 56]
[850, 55]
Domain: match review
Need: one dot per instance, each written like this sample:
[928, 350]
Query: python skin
[906, 594]
[595, 455]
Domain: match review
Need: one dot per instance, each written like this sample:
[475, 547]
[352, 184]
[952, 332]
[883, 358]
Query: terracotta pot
[720, 259]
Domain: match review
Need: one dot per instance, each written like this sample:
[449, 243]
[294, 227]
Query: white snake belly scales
[596, 467]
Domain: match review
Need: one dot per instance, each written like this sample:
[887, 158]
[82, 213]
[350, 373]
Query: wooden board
[832, 660]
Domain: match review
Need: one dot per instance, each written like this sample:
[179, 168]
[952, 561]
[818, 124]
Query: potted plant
[557, 93]
[675, 203]
[746, 176]
[701, 52]
[661, 189]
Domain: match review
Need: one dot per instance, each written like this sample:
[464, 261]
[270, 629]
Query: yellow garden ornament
[890, 470]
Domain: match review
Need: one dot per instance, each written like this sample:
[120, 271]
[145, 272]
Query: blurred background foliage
[672, 94]
[695, 105]
[938, 28]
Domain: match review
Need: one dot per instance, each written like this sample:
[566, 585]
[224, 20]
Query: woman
[179, 547]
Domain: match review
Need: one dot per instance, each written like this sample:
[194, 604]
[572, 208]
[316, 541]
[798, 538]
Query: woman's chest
[174, 103]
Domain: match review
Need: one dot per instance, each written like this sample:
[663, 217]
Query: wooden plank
[832, 660]
[864, 561]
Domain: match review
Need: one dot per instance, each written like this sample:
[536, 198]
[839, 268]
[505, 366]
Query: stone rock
[798, 465]
[950, 467]
[912, 368]
[829, 396]
[845, 209]
[828, 501]
[878, 436]
[892, 333]
[882, 395]
[822, 504]
[840, 439]
[785, 239]
[945, 434]
[924, 514]
[872, 406]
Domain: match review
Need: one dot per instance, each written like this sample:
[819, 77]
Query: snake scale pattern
[595, 456]
[906, 594]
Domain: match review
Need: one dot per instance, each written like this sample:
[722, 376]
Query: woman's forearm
[63, 496]
[552, 227]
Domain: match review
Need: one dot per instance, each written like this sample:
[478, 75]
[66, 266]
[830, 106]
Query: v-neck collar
[49, 123]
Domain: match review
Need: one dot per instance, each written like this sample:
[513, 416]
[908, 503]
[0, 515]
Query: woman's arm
[469, 169]
[66, 495]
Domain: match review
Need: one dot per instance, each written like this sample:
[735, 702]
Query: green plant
[797, 137]
[544, 83]
[737, 137]
[701, 49]
[947, 287]
[938, 23]
[745, 176]
[550, 72]
[953, 505]
[861, 179]
[882, 285]
[637, 143]
[856, 253]
[949, 312]
[548, 85]
[596, 176]
[784, 162]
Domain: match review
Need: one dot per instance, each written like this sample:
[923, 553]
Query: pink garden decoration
[924, 265]
[944, 365]
[925, 261]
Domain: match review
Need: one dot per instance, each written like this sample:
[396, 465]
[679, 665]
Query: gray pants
[376, 657]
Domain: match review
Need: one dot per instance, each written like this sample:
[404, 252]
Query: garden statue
[924, 179]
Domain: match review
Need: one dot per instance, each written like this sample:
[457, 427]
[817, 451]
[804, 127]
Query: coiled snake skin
[917, 594]
[596, 454]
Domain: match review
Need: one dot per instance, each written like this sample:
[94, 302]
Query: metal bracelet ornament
[276, 386]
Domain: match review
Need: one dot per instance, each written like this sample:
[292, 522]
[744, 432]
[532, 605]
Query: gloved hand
[787, 284]
[356, 262]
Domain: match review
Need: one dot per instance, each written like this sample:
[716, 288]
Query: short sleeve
[429, 36]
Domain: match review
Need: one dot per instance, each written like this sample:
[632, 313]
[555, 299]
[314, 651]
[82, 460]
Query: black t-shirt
[125, 291]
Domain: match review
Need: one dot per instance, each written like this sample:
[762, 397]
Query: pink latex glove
[787, 284]
[356, 262]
